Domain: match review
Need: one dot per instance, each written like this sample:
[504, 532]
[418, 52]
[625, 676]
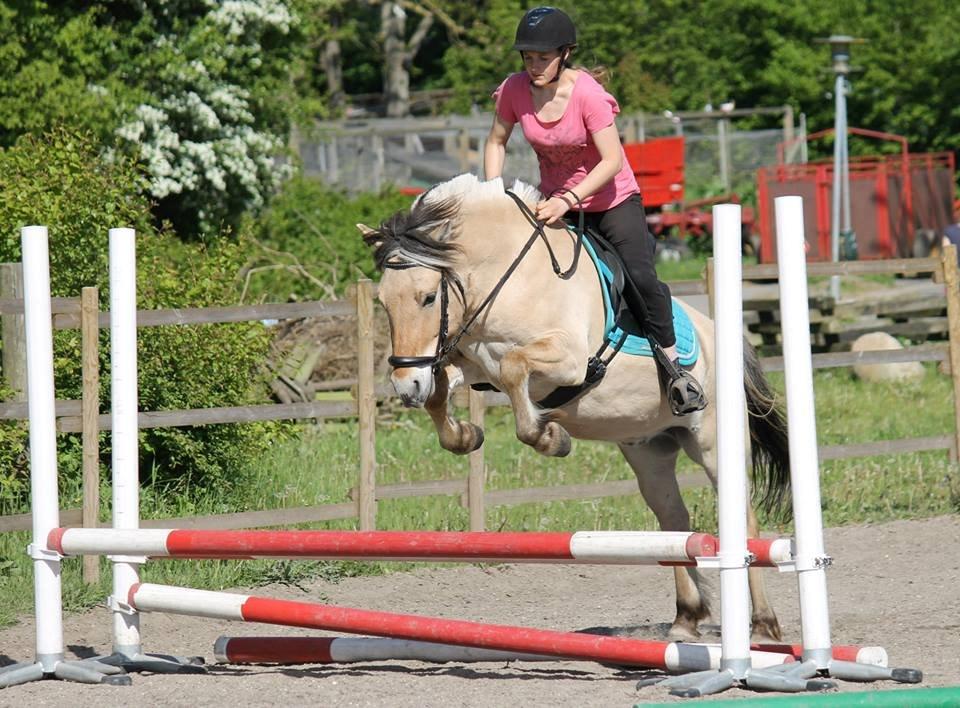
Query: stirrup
[684, 392]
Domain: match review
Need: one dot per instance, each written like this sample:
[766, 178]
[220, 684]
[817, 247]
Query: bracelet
[575, 196]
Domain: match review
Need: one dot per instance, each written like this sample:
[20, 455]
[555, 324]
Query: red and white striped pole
[569, 645]
[598, 547]
[346, 650]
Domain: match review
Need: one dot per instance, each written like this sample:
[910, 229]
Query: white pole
[123, 393]
[811, 561]
[731, 441]
[43, 445]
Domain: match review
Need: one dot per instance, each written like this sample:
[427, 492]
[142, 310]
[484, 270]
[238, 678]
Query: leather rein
[447, 345]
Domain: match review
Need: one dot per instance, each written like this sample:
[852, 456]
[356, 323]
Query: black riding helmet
[544, 29]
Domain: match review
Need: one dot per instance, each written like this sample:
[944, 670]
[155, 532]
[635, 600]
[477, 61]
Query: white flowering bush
[208, 128]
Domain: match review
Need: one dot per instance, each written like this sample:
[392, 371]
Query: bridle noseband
[443, 351]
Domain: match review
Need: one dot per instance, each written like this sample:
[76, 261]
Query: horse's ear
[371, 237]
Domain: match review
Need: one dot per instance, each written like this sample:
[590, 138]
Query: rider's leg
[625, 227]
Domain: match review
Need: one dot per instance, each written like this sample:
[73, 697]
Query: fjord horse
[471, 297]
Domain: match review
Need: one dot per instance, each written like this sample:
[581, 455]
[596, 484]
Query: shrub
[59, 180]
[309, 246]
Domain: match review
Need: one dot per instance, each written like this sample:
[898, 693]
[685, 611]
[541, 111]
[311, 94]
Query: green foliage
[309, 246]
[60, 181]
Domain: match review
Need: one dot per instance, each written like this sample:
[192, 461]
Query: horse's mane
[426, 234]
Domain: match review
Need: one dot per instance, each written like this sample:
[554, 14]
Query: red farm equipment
[658, 165]
[895, 200]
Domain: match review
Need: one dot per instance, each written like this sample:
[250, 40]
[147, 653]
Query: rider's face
[541, 67]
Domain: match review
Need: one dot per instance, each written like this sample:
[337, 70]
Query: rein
[445, 348]
[596, 365]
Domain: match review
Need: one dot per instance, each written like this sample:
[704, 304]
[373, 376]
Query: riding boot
[683, 391]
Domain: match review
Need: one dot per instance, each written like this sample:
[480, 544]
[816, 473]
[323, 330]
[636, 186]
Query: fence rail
[362, 499]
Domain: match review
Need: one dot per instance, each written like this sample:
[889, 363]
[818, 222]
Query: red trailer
[658, 166]
[892, 197]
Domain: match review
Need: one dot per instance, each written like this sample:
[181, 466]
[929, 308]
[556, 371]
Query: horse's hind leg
[654, 464]
[765, 626]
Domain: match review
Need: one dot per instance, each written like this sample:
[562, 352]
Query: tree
[200, 90]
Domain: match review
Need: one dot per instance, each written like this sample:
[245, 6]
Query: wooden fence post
[477, 479]
[90, 412]
[708, 277]
[951, 279]
[14, 335]
[366, 407]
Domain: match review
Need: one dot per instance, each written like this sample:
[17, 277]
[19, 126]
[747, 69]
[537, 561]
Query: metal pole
[840, 131]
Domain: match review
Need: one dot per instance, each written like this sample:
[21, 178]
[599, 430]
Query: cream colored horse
[443, 259]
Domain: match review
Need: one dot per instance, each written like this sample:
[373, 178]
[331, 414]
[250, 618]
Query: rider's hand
[551, 210]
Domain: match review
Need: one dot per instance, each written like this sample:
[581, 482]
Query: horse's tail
[769, 448]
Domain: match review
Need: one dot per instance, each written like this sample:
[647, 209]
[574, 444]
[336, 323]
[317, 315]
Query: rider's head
[544, 35]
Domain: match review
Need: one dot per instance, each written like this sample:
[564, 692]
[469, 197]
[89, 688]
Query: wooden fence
[83, 416]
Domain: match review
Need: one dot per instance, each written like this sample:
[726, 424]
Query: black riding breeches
[625, 228]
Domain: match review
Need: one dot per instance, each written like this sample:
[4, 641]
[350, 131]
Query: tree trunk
[396, 77]
[331, 60]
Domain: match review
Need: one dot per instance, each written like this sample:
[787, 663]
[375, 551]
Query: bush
[59, 180]
[309, 246]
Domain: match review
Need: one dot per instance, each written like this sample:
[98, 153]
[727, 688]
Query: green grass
[320, 467]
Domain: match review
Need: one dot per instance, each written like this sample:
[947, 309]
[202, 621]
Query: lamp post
[841, 229]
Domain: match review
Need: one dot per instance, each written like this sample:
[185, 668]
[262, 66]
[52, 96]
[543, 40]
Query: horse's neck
[533, 295]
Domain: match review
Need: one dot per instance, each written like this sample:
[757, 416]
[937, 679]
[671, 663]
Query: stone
[899, 371]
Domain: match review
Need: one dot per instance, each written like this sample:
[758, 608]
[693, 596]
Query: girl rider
[568, 119]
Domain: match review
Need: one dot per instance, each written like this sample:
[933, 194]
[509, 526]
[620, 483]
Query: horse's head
[419, 289]
[425, 255]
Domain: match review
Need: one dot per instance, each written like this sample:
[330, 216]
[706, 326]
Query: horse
[471, 298]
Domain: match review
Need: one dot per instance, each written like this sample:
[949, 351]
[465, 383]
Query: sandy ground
[894, 585]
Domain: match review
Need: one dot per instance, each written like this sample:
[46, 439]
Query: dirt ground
[894, 585]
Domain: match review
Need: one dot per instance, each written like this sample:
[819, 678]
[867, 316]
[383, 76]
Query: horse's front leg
[457, 436]
[549, 357]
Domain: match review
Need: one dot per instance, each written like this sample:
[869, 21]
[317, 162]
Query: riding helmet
[544, 29]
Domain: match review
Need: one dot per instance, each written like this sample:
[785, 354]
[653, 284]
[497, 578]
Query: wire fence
[722, 149]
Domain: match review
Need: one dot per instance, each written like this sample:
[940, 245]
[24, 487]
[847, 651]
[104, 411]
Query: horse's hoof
[766, 629]
[471, 438]
[555, 441]
[477, 437]
[683, 633]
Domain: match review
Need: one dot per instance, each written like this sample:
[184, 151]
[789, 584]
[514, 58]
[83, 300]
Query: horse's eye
[429, 299]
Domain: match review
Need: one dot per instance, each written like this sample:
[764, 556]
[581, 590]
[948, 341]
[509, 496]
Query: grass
[320, 467]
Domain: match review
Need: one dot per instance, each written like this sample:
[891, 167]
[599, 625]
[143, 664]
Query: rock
[901, 371]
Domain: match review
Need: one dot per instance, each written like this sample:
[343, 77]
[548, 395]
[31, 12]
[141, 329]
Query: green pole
[914, 697]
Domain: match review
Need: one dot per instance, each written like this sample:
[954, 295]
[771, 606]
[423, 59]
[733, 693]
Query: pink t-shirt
[565, 147]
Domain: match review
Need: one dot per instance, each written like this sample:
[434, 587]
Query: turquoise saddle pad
[688, 346]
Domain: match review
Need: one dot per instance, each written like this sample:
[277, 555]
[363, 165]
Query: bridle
[445, 346]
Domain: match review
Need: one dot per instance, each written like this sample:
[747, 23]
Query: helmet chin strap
[563, 60]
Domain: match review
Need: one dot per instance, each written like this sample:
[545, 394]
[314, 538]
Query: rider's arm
[495, 149]
[608, 145]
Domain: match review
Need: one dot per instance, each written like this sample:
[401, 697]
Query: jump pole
[668, 656]
[345, 650]
[593, 547]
